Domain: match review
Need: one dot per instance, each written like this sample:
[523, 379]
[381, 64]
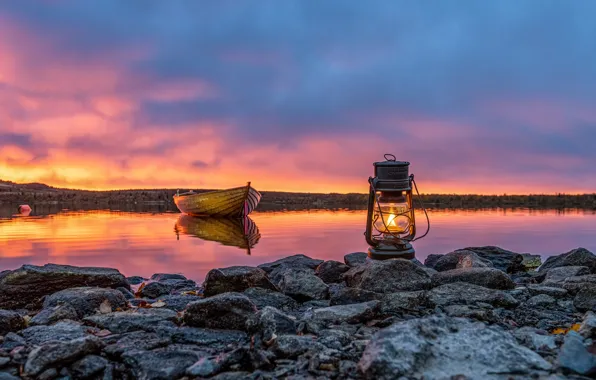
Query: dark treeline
[38, 194]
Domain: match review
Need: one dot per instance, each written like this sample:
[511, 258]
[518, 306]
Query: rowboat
[236, 202]
[235, 232]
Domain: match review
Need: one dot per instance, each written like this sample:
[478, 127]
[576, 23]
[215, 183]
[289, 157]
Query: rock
[502, 259]
[88, 367]
[270, 323]
[487, 277]
[398, 303]
[460, 293]
[335, 339]
[585, 299]
[443, 347]
[575, 357]
[167, 276]
[588, 327]
[21, 288]
[136, 280]
[388, 276]
[302, 285]
[355, 313]
[531, 262]
[458, 259]
[126, 293]
[535, 339]
[291, 346]
[295, 261]
[87, 301]
[10, 321]
[548, 290]
[356, 258]
[223, 311]
[347, 296]
[53, 314]
[431, 260]
[541, 300]
[471, 312]
[265, 297]
[60, 332]
[127, 321]
[235, 279]
[178, 302]
[7, 376]
[428, 270]
[331, 271]
[155, 290]
[575, 257]
[559, 274]
[220, 339]
[59, 352]
[160, 364]
[138, 340]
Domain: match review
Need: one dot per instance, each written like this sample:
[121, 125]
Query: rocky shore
[475, 313]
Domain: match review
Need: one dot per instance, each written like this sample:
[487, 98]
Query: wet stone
[235, 279]
[295, 262]
[10, 321]
[265, 297]
[223, 311]
[62, 331]
[356, 258]
[160, 365]
[128, 321]
[87, 300]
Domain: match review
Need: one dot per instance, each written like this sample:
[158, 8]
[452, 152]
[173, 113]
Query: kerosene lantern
[391, 225]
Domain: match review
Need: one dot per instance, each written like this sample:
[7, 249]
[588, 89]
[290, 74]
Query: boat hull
[236, 202]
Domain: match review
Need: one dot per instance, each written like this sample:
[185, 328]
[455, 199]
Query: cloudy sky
[487, 97]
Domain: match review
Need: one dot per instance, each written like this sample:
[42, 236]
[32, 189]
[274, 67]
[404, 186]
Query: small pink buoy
[24, 210]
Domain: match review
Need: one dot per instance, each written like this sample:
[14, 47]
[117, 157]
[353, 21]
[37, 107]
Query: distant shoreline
[40, 194]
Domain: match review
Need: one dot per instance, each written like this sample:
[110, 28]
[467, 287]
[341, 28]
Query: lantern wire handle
[418, 198]
[390, 157]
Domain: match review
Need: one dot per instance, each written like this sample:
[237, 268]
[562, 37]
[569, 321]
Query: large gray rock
[216, 339]
[301, 284]
[127, 321]
[331, 271]
[482, 276]
[10, 321]
[388, 276]
[53, 314]
[575, 257]
[460, 293]
[502, 259]
[24, 287]
[347, 296]
[269, 323]
[541, 300]
[588, 327]
[295, 261]
[167, 276]
[265, 297]
[458, 259]
[63, 352]
[443, 347]
[291, 346]
[355, 313]
[548, 290]
[535, 339]
[585, 299]
[166, 287]
[560, 274]
[235, 279]
[400, 302]
[223, 311]
[355, 258]
[88, 367]
[576, 283]
[138, 340]
[575, 357]
[62, 331]
[87, 300]
[165, 364]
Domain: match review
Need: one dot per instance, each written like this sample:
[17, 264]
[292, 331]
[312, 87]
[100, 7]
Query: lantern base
[384, 252]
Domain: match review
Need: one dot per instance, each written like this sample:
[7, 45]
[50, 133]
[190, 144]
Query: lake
[143, 243]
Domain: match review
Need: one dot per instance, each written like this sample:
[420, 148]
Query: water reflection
[236, 232]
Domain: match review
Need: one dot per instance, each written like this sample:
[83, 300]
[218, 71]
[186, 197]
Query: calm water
[145, 243]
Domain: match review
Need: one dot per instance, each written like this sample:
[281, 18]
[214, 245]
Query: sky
[481, 97]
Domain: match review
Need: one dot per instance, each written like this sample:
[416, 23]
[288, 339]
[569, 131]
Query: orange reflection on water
[145, 243]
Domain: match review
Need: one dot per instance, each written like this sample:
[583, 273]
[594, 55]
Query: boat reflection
[236, 232]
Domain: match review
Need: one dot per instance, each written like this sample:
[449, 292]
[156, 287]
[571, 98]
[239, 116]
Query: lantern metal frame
[392, 178]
